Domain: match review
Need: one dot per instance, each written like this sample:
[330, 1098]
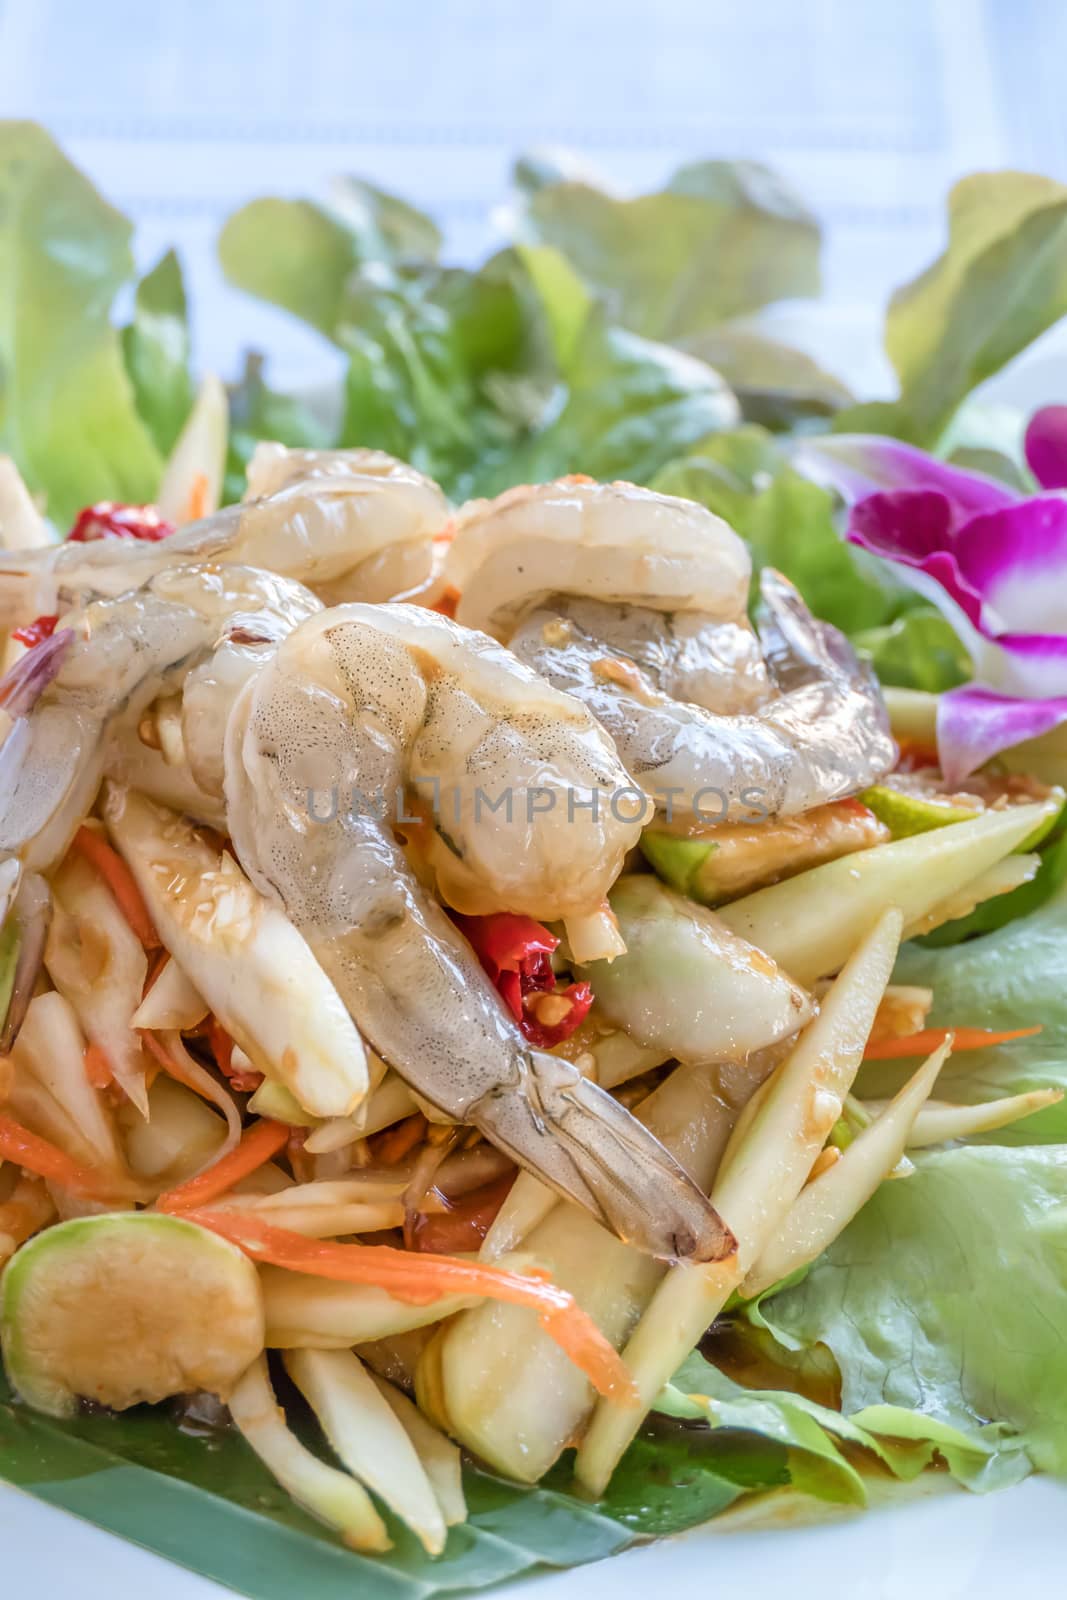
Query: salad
[533, 888]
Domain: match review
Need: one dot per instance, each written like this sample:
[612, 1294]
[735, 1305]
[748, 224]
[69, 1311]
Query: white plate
[945, 1546]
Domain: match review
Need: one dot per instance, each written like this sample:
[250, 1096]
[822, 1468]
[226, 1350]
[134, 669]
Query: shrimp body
[110, 661]
[607, 541]
[822, 734]
[350, 524]
[353, 701]
[635, 603]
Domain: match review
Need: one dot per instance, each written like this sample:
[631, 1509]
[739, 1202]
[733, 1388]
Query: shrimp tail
[593, 1151]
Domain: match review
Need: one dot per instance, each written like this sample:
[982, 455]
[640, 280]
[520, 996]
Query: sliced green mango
[127, 1308]
[810, 924]
[905, 814]
[734, 858]
[687, 985]
[677, 861]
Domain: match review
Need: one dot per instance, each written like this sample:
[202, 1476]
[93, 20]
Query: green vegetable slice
[124, 1309]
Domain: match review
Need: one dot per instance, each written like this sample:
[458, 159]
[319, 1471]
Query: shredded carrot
[119, 879]
[37, 1155]
[97, 1067]
[196, 504]
[922, 1044]
[258, 1144]
[420, 1279]
[398, 1141]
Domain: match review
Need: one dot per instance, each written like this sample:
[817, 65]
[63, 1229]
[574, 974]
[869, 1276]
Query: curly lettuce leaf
[439, 367]
[775, 384]
[68, 414]
[919, 650]
[260, 412]
[1014, 977]
[1000, 282]
[156, 348]
[630, 406]
[811, 1434]
[789, 523]
[721, 239]
[947, 1296]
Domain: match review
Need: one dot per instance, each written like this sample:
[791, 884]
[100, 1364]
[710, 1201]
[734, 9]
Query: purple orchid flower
[993, 560]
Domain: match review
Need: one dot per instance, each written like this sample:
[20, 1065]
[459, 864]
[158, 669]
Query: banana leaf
[206, 1503]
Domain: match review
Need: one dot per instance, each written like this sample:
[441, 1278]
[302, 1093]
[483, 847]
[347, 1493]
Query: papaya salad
[439, 948]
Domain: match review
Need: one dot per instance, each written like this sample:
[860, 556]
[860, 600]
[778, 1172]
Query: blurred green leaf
[293, 254]
[439, 372]
[67, 406]
[919, 650]
[385, 228]
[259, 412]
[1001, 281]
[156, 346]
[776, 385]
[723, 238]
[631, 406]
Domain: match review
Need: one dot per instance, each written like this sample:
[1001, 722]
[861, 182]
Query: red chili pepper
[108, 519]
[516, 953]
[34, 632]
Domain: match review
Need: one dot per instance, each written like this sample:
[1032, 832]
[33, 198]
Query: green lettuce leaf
[919, 650]
[259, 412]
[904, 1441]
[630, 406]
[775, 384]
[947, 1296]
[1001, 281]
[293, 254]
[1014, 977]
[721, 239]
[789, 523]
[301, 256]
[440, 371]
[156, 347]
[67, 406]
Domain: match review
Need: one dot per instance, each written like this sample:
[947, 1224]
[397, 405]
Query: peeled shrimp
[365, 701]
[79, 696]
[635, 603]
[606, 541]
[822, 735]
[350, 524]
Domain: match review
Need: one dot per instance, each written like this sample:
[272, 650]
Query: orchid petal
[914, 529]
[1016, 559]
[858, 464]
[1046, 446]
[974, 724]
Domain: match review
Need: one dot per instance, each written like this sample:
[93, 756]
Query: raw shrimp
[362, 702]
[822, 735]
[351, 524]
[79, 696]
[606, 541]
[636, 603]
